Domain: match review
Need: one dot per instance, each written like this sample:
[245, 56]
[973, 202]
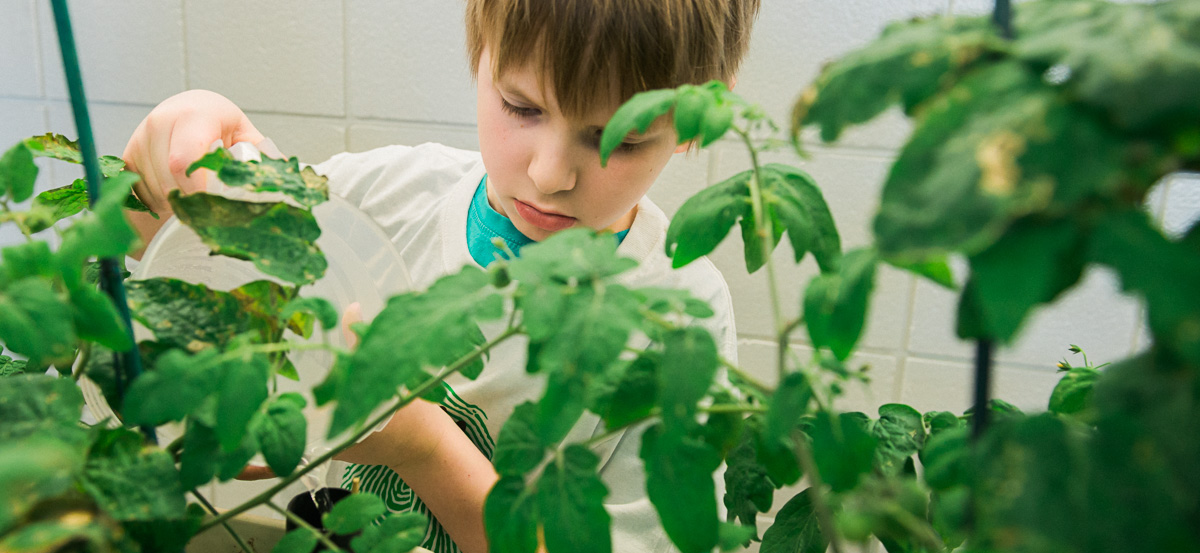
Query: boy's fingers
[353, 314]
[255, 472]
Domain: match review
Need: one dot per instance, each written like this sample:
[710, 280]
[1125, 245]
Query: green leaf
[395, 347]
[510, 517]
[561, 406]
[571, 502]
[353, 512]
[60, 203]
[1031, 264]
[18, 172]
[735, 536]
[835, 305]
[776, 456]
[276, 237]
[842, 449]
[518, 448]
[1141, 255]
[281, 433]
[103, 232]
[796, 529]
[326, 313]
[718, 117]
[10, 366]
[787, 405]
[58, 535]
[679, 482]
[397, 533]
[638, 113]
[934, 269]
[36, 322]
[28, 260]
[141, 487]
[242, 388]
[300, 540]
[723, 431]
[1073, 393]
[1110, 59]
[1003, 143]
[689, 111]
[901, 433]
[97, 319]
[167, 535]
[689, 363]
[795, 200]
[201, 455]
[906, 66]
[704, 220]
[748, 489]
[178, 385]
[269, 175]
[584, 331]
[636, 393]
[946, 458]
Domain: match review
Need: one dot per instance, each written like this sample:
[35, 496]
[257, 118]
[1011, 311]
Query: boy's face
[544, 169]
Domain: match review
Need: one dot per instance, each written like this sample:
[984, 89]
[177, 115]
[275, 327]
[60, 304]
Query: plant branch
[213, 511]
[85, 355]
[322, 536]
[746, 377]
[368, 427]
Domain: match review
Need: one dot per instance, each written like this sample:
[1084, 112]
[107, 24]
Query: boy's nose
[551, 171]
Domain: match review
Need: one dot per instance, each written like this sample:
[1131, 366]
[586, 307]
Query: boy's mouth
[546, 221]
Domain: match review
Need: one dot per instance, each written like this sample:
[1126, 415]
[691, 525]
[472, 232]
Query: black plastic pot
[311, 512]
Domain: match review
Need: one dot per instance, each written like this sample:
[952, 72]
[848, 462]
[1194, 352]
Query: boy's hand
[175, 134]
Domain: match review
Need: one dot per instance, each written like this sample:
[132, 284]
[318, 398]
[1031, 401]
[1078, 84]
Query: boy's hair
[635, 45]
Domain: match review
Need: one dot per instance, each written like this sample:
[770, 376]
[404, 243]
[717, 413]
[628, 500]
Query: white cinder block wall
[325, 76]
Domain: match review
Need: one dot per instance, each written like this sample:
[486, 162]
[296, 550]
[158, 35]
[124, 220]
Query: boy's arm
[424, 446]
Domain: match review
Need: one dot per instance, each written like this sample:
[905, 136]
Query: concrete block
[20, 61]
[407, 61]
[129, 51]
[274, 56]
[367, 136]
[112, 124]
[22, 119]
[312, 139]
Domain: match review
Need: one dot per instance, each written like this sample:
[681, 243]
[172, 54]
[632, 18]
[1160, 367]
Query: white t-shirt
[420, 197]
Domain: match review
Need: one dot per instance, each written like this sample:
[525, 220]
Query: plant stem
[824, 516]
[918, 527]
[733, 408]
[766, 236]
[746, 377]
[213, 511]
[324, 538]
[368, 427]
[85, 354]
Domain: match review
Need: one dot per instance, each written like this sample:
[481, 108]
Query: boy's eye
[519, 111]
[622, 147]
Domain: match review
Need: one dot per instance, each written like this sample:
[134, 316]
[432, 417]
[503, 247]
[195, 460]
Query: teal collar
[484, 224]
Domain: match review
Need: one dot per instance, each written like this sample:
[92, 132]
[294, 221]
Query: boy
[550, 73]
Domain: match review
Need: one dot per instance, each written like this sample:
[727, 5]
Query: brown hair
[636, 45]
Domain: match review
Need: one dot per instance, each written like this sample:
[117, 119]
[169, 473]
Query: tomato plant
[1031, 157]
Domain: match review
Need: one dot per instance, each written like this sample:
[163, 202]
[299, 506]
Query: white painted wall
[325, 76]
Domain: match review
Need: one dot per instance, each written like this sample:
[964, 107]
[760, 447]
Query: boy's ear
[684, 146]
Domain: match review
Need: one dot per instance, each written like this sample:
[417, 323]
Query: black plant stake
[128, 365]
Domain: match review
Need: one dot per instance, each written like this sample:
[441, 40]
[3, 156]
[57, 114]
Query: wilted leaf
[269, 175]
[748, 489]
[278, 238]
